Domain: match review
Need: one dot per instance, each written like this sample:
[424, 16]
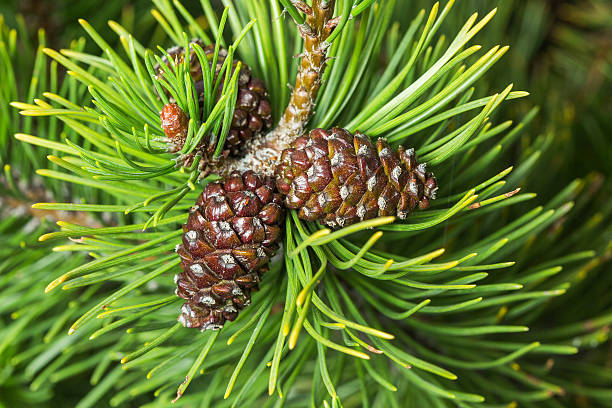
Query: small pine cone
[253, 113]
[229, 238]
[174, 123]
[339, 178]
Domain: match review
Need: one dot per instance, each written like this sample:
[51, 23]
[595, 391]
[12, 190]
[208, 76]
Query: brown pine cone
[339, 178]
[229, 238]
[253, 113]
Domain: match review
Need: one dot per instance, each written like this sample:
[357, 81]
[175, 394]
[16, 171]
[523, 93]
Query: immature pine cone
[229, 238]
[339, 178]
[174, 122]
[253, 113]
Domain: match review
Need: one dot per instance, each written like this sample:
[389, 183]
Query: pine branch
[319, 25]
[262, 154]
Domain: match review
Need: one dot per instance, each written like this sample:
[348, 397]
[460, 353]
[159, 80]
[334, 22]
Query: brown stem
[14, 207]
[315, 31]
[263, 153]
[35, 192]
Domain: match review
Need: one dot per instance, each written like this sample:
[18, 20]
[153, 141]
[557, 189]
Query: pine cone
[174, 122]
[340, 179]
[253, 113]
[229, 238]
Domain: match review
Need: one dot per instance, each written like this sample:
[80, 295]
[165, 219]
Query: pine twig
[24, 196]
[264, 152]
[12, 206]
[318, 27]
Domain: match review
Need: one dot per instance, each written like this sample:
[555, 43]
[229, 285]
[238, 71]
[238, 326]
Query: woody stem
[315, 31]
[263, 153]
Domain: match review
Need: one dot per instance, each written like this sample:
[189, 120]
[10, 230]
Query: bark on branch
[263, 153]
[315, 32]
